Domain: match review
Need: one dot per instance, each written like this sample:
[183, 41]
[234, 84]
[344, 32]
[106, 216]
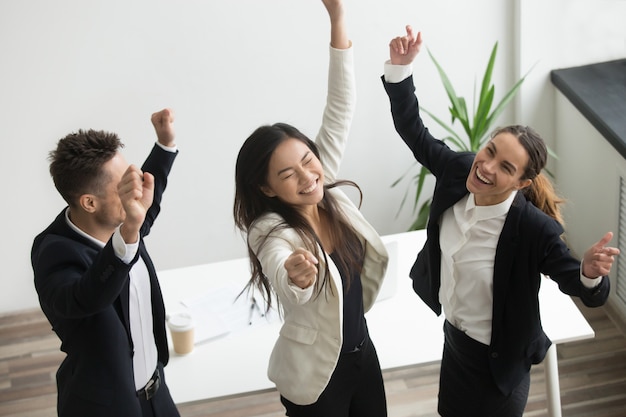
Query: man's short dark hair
[76, 163]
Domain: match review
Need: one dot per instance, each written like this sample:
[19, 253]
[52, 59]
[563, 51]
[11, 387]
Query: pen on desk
[250, 314]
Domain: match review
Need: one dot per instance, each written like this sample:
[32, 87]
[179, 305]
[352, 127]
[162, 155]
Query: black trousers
[162, 404]
[355, 389]
[466, 386]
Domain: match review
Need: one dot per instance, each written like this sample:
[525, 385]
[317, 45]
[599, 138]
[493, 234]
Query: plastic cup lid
[180, 321]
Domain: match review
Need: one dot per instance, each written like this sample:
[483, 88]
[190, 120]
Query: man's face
[110, 212]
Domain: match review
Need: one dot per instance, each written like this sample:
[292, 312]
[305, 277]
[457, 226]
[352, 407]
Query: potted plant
[476, 127]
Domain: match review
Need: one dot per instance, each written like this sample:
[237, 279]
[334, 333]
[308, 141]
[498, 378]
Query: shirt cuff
[397, 73]
[125, 251]
[349, 48]
[172, 149]
[589, 282]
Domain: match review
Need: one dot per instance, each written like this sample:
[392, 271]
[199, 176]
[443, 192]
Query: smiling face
[498, 170]
[295, 175]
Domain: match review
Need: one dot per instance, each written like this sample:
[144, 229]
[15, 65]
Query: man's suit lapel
[121, 306]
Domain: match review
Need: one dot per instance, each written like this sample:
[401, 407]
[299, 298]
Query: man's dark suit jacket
[530, 244]
[83, 290]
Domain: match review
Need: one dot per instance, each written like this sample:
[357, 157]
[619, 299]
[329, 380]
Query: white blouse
[469, 236]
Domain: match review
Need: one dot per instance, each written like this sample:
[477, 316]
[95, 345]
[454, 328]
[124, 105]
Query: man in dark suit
[96, 282]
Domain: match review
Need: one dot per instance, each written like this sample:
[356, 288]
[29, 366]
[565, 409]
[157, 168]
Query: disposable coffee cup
[181, 327]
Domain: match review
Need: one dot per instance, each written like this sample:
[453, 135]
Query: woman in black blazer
[494, 228]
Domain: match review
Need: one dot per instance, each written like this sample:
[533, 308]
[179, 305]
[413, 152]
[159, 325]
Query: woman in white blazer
[311, 248]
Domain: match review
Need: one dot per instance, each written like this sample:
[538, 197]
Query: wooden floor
[592, 376]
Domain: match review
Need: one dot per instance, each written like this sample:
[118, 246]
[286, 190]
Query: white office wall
[563, 34]
[225, 68]
[593, 170]
[557, 34]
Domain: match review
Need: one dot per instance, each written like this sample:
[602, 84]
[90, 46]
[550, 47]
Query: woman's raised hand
[404, 49]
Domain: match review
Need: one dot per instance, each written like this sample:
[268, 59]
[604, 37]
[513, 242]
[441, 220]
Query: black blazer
[83, 290]
[530, 244]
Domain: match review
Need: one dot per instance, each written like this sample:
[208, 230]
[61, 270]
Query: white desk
[404, 330]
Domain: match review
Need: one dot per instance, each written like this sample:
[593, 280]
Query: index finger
[611, 251]
[409, 33]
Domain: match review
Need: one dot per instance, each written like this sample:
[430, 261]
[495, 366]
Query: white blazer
[306, 352]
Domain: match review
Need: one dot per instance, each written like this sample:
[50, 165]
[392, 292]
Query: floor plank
[592, 376]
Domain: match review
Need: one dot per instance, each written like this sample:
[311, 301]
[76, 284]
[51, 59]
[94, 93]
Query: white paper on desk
[209, 326]
[223, 310]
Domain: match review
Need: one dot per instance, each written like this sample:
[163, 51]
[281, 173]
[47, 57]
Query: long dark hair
[540, 192]
[251, 203]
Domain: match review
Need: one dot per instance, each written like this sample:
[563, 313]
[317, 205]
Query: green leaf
[396, 182]
[403, 201]
[454, 137]
[462, 115]
[505, 100]
[422, 218]
[454, 100]
[486, 84]
[551, 153]
[481, 120]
